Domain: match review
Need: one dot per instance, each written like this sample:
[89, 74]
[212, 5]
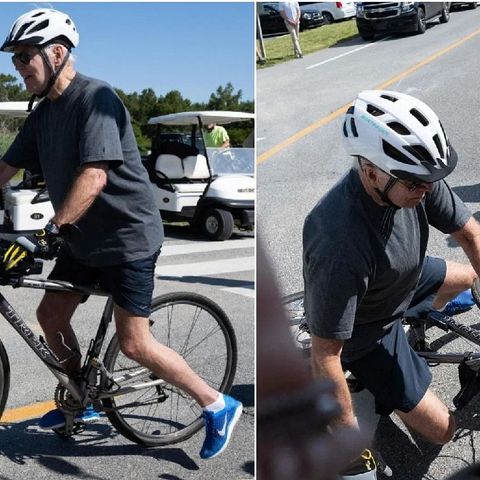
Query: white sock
[217, 405]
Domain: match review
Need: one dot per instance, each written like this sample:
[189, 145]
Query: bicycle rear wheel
[200, 331]
[4, 378]
[476, 292]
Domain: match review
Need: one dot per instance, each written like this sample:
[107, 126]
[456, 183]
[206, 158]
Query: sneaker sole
[234, 421]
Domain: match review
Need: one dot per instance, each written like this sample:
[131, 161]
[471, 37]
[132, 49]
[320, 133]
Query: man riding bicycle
[81, 139]
[365, 262]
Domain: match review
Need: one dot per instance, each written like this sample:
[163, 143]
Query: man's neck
[62, 82]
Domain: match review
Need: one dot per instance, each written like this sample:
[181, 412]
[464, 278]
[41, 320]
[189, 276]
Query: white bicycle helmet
[400, 135]
[40, 27]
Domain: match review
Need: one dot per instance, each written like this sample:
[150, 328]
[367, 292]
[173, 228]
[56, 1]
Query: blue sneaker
[219, 427]
[461, 303]
[55, 419]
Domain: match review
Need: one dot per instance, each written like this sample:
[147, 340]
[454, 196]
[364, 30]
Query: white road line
[245, 292]
[199, 247]
[345, 54]
[203, 269]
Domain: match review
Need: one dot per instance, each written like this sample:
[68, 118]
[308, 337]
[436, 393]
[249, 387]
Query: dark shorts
[396, 376]
[130, 284]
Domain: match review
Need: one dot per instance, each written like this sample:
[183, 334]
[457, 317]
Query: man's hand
[43, 244]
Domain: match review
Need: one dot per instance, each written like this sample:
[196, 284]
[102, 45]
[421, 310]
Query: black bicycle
[468, 361]
[142, 407]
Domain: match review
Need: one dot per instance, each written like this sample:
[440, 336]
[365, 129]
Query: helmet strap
[53, 76]
[384, 195]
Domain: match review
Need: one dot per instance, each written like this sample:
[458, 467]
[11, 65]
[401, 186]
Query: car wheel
[421, 22]
[366, 35]
[445, 16]
[328, 17]
[217, 224]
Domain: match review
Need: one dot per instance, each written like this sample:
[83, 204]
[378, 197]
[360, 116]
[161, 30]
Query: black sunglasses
[412, 186]
[24, 57]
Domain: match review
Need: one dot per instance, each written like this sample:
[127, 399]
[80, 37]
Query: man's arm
[6, 172]
[326, 364]
[85, 189]
[469, 239]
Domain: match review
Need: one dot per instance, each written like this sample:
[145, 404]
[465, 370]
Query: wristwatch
[52, 228]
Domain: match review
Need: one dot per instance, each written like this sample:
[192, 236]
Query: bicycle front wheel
[4, 378]
[200, 331]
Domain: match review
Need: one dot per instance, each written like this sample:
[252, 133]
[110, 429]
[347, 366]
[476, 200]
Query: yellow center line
[323, 121]
[29, 411]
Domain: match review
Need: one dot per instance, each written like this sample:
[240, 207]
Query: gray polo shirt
[362, 261]
[88, 124]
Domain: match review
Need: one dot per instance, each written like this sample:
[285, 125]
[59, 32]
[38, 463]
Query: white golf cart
[213, 188]
[27, 205]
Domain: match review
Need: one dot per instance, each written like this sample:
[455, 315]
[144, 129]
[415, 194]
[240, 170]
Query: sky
[190, 47]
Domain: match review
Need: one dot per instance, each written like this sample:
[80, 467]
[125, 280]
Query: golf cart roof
[192, 118]
[14, 109]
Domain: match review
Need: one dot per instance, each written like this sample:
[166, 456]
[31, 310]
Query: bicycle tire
[203, 335]
[4, 378]
[476, 292]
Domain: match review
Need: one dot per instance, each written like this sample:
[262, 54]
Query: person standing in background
[290, 12]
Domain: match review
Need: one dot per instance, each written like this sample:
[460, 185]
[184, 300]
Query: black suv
[401, 17]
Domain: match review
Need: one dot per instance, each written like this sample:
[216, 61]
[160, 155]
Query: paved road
[222, 271]
[300, 105]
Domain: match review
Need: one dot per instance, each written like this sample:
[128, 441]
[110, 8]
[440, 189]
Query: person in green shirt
[216, 136]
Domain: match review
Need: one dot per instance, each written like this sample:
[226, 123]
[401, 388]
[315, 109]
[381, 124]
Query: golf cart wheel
[217, 224]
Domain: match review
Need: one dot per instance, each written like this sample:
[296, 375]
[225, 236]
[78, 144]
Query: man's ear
[58, 55]
[371, 173]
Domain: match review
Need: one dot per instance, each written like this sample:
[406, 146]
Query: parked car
[471, 5]
[403, 17]
[332, 11]
[272, 22]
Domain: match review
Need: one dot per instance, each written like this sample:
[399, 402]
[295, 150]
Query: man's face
[34, 72]
[404, 194]
[210, 127]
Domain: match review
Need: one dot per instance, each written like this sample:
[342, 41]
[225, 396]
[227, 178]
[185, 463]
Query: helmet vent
[372, 110]
[39, 14]
[399, 128]
[351, 110]
[419, 117]
[438, 143]
[397, 155]
[389, 97]
[353, 127]
[22, 30]
[421, 153]
[40, 26]
[345, 129]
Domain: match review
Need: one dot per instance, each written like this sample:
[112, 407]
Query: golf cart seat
[169, 167]
[195, 167]
[183, 176]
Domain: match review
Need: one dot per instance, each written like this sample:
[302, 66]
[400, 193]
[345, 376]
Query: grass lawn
[280, 49]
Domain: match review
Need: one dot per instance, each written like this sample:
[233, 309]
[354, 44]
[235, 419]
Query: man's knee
[431, 419]
[56, 308]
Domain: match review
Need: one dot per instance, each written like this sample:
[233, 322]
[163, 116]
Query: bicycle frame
[39, 346]
[447, 324]
[41, 349]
